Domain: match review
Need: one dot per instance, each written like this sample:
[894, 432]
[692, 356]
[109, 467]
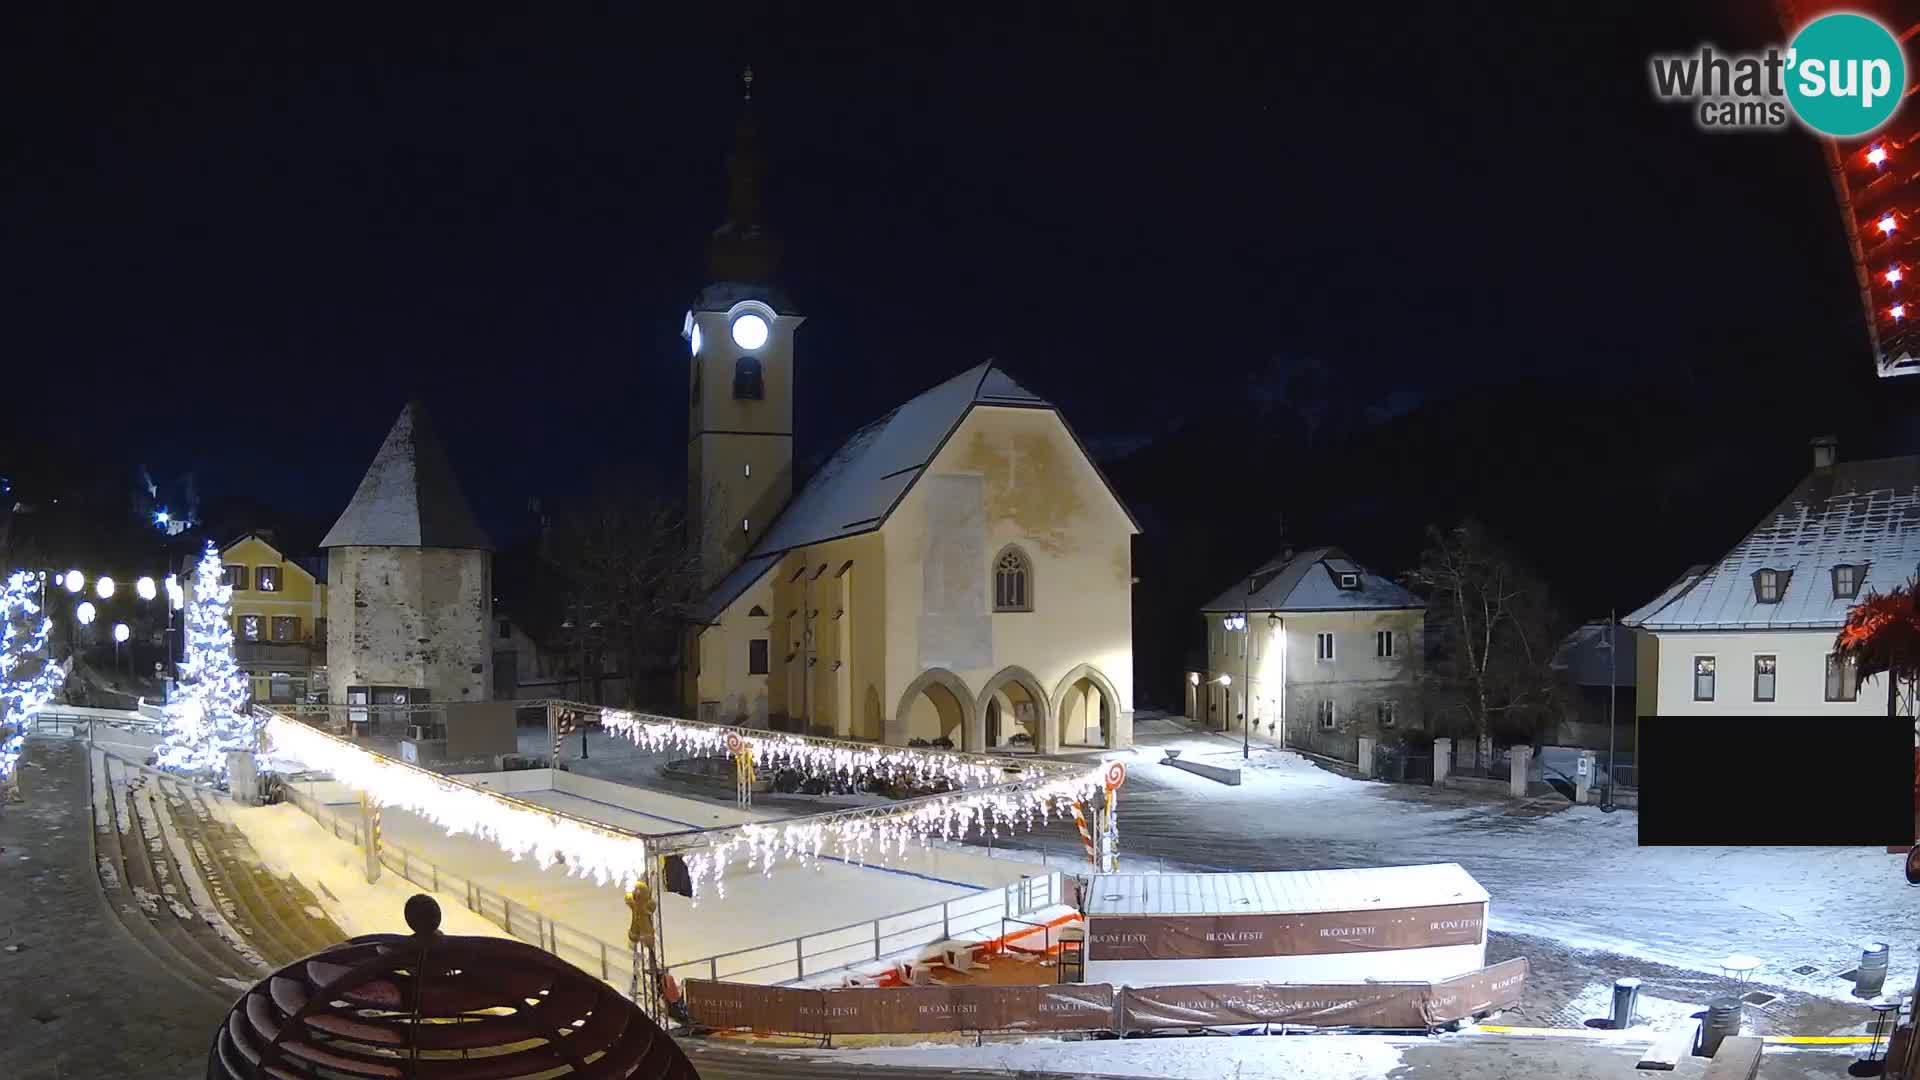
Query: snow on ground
[291, 844]
[1651, 1015]
[757, 909]
[1251, 1057]
[1577, 877]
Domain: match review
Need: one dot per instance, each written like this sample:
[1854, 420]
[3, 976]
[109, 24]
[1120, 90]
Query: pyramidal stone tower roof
[409, 497]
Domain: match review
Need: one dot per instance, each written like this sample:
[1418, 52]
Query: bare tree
[1494, 629]
[628, 573]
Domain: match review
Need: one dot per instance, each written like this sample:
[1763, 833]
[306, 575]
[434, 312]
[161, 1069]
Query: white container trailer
[1388, 924]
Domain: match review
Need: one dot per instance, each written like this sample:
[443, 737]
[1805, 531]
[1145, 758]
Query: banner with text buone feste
[1205, 937]
[908, 1010]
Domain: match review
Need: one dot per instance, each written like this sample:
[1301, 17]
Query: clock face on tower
[750, 331]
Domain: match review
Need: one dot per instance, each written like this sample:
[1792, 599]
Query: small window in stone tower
[746, 379]
[1012, 581]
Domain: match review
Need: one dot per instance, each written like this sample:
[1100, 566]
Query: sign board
[1581, 768]
[410, 752]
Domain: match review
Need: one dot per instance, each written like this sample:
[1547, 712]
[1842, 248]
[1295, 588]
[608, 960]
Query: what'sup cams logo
[1842, 75]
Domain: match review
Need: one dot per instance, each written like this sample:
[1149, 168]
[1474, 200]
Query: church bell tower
[740, 332]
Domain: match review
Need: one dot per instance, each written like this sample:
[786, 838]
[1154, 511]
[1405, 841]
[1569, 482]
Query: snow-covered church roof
[1864, 514]
[856, 490]
[410, 496]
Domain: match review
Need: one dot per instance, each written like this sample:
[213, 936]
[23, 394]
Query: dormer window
[1349, 581]
[1846, 581]
[747, 384]
[1769, 585]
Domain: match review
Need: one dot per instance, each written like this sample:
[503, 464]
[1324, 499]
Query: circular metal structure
[432, 1005]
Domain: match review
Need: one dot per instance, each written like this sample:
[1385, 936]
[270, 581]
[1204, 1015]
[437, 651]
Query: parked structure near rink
[1384, 924]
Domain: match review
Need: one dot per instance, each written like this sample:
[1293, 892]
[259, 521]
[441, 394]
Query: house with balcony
[1320, 649]
[279, 617]
[1753, 633]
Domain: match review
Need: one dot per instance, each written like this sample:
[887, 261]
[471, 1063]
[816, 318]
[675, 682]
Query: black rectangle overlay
[1775, 781]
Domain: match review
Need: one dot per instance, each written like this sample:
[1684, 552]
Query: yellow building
[958, 570]
[279, 618]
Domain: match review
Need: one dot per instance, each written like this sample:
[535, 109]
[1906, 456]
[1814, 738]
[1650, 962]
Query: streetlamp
[120, 636]
[1606, 805]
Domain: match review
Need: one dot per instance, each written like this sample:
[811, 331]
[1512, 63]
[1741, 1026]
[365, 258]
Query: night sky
[235, 243]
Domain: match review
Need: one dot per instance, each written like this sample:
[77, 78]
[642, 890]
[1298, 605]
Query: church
[959, 572]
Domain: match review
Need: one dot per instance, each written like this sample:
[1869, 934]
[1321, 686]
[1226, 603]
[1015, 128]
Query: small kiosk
[1385, 924]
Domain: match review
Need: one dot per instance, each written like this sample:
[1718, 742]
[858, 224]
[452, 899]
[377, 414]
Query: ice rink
[756, 910]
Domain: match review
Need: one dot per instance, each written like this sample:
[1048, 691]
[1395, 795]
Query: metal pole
[1246, 673]
[1613, 650]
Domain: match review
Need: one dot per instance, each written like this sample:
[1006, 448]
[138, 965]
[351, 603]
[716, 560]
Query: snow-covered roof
[1680, 584]
[1371, 888]
[858, 487]
[409, 497]
[1584, 656]
[1859, 513]
[1310, 581]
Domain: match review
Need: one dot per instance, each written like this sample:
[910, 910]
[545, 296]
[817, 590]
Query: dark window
[280, 688]
[1843, 678]
[1325, 714]
[1386, 713]
[286, 628]
[757, 612]
[1769, 585]
[1703, 678]
[1323, 646]
[1846, 581]
[266, 578]
[1383, 643]
[1763, 677]
[319, 631]
[757, 656]
[235, 577]
[1012, 581]
[250, 628]
[747, 385]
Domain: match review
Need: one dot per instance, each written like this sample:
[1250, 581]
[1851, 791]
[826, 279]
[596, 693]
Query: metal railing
[806, 954]
[797, 958]
[611, 962]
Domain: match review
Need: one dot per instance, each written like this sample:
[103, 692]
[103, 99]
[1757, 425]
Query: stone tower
[410, 593]
[740, 331]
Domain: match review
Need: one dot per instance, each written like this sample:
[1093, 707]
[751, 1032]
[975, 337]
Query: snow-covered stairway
[149, 899]
[288, 920]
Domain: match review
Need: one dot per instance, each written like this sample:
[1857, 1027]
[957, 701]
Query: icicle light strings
[548, 839]
[848, 762]
[887, 833]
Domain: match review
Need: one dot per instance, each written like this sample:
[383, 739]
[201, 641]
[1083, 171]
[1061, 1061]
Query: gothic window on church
[747, 385]
[1012, 581]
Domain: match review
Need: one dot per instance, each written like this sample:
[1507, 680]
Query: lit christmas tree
[28, 675]
[209, 717]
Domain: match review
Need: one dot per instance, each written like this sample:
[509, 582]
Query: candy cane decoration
[1086, 835]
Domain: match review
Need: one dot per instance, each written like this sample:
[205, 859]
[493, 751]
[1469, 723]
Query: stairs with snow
[186, 887]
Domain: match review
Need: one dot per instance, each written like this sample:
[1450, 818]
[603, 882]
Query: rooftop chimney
[1826, 451]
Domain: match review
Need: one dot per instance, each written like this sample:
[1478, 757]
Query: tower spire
[743, 249]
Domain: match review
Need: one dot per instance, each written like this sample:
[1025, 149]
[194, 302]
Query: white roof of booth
[1367, 889]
